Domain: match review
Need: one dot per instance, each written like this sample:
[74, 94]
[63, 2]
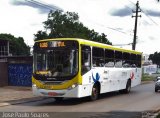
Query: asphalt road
[141, 98]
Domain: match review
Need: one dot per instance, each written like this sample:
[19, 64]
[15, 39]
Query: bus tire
[58, 99]
[95, 92]
[128, 87]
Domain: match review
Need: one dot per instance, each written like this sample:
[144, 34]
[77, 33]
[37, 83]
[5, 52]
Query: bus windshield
[56, 62]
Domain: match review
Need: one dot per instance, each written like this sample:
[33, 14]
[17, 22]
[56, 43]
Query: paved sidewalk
[14, 95]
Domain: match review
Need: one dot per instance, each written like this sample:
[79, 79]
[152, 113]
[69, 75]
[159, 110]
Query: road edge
[25, 100]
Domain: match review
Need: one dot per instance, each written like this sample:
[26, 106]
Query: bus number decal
[43, 45]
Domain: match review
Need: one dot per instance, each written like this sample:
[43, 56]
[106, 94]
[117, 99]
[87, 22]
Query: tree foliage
[62, 25]
[17, 46]
[155, 58]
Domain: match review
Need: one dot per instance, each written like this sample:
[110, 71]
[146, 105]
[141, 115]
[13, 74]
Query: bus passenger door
[86, 64]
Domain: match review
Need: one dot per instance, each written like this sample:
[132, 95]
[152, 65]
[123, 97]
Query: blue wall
[20, 74]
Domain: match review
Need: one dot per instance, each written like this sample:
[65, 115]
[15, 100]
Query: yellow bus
[76, 68]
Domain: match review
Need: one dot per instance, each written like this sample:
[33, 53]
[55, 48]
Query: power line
[115, 29]
[53, 8]
[150, 18]
[145, 12]
[129, 7]
[44, 5]
[111, 28]
[132, 2]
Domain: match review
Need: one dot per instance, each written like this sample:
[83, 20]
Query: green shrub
[158, 116]
[147, 77]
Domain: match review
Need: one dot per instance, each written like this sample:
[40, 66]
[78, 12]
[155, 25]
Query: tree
[41, 35]
[17, 45]
[61, 25]
[155, 58]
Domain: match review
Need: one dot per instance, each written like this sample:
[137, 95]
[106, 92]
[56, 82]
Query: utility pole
[135, 27]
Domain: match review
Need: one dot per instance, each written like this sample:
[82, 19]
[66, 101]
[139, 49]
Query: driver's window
[85, 59]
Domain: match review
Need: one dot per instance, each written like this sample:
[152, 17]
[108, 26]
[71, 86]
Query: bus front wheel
[95, 92]
[58, 99]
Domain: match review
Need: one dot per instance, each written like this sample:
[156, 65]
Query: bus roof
[93, 43]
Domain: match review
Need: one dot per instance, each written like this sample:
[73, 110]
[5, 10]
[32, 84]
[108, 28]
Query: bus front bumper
[68, 93]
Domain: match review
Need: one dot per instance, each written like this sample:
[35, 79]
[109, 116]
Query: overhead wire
[51, 8]
[57, 8]
[111, 28]
[44, 5]
[131, 2]
[150, 18]
[115, 29]
[146, 14]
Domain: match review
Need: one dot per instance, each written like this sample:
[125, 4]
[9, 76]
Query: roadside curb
[4, 104]
[25, 100]
[151, 113]
[157, 110]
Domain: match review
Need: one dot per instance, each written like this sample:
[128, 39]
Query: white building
[146, 60]
[4, 48]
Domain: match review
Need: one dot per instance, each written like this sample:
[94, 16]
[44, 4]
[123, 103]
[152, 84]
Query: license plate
[52, 93]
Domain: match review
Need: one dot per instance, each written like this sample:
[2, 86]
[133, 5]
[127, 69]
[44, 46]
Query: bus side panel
[114, 79]
[91, 77]
[137, 77]
[111, 79]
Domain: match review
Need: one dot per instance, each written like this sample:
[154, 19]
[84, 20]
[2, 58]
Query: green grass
[158, 116]
[146, 77]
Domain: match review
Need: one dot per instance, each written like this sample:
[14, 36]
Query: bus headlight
[34, 85]
[73, 86]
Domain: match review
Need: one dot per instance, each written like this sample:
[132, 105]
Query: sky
[23, 18]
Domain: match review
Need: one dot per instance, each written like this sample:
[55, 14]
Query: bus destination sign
[52, 44]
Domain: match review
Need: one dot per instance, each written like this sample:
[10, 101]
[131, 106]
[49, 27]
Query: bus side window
[98, 57]
[133, 60]
[126, 60]
[139, 57]
[85, 59]
[118, 59]
[109, 58]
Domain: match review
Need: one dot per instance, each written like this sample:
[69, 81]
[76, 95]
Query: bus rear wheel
[128, 87]
[95, 92]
